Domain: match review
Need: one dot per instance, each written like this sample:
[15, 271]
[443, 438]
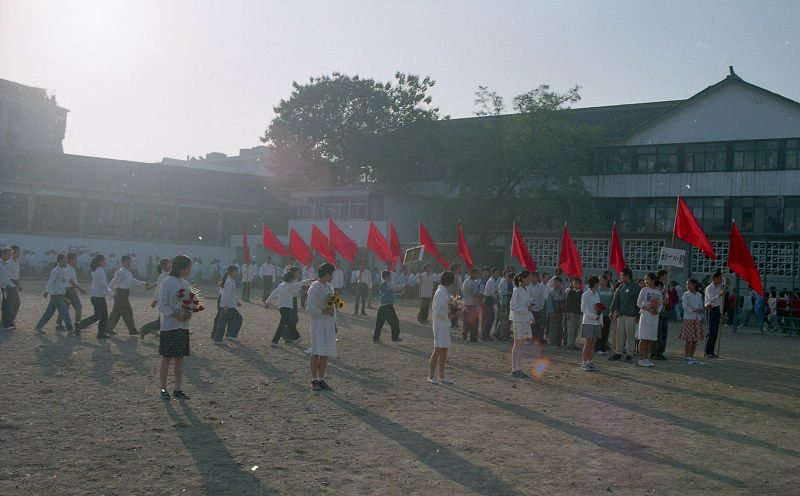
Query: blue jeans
[56, 303]
[231, 319]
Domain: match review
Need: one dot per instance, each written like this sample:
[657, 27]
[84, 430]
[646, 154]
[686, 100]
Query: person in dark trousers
[489, 301]
[386, 311]
[229, 320]
[11, 290]
[97, 296]
[287, 292]
[625, 311]
[660, 346]
[713, 302]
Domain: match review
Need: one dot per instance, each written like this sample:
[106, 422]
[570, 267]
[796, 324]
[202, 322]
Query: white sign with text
[672, 257]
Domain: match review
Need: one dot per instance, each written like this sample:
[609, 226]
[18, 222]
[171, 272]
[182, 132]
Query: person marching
[386, 312]
[11, 291]
[323, 326]
[56, 287]
[692, 324]
[97, 295]
[650, 303]
[287, 292]
[164, 266]
[71, 295]
[121, 285]
[174, 336]
[521, 320]
[441, 329]
[229, 316]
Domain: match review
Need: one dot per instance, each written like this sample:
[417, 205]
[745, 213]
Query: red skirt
[691, 330]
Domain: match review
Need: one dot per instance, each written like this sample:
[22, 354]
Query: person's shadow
[221, 474]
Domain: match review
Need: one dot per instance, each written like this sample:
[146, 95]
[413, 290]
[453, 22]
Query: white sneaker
[433, 381]
[694, 361]
[593, 366]
[649, 363]
[642, 363]
[307, 351]
[445, 380]
[275, 345]
[687, 360]
[602, 353]
[297, 341]
[235, 340]
[586, 368]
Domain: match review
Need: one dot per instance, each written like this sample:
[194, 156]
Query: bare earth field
[82, 416]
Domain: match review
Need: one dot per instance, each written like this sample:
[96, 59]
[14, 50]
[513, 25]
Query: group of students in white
[637, 308]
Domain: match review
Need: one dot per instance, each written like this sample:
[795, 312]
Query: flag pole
[611, 247]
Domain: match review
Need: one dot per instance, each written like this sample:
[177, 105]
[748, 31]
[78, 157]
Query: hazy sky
[148, 79]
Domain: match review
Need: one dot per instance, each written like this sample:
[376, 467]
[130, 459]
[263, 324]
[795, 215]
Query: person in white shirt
[6, 288]
[247, 280]
[441, 328]
[121, 284]
[489, 301]
[228, 316]
[458, 282]
[174, 336]
[56, 287]
[323, 326]
[538, 293]
[71, 295]
[97, 295]
[363, 285]
[269, 274]
[287, 292]
[650, 303]
[521, 320]
[11, 289]
[592, 324]
[692, 324]
[425, 293]
[164, 267]
[713, 302]
[338, 278]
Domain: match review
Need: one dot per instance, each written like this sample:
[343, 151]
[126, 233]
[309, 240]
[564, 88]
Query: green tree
[331, 130]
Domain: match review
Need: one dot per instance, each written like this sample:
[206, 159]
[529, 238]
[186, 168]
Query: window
[154, 221]
[791, 214]
[614, 161]
[766, 155]
[756, 214]
[56, 214]
[194, 225]
[14, 211]
[647, 157]
[704, 157]
[744, 155]
[793, 154]
[106, 217]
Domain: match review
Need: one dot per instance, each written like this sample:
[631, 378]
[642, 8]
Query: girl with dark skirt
[174, 337]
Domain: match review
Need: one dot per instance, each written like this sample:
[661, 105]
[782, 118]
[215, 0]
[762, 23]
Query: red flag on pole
[395, 250]
[520, 250]
[463, 249]
[244, 244]
[569, 261]
[688, 229]
[377, 243]
[346, 246]
[740, 260]
[270, 242]
[616, 260]
[430, 246]
[319, 243]
[298, 249]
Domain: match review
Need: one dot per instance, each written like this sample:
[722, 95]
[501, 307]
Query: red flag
[395, 250]
[299, 250]
[569, 261]
[270, 242]
[687, 228]
[319, 243]
[377, 243]
[463, 249]
[616, 260]
[346, 246]
[244, 244]
[430, 246]
[520, 250]
[741, 261]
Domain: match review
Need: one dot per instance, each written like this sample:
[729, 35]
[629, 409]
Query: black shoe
[398, 340]
[487, 338]
[324, 385]
[60, 328]
[376, 341]
[315, 386]
[110, 332]
[180, 395]
[711, 355]
[615, 357]
[133, 333]
[628, 359]
[165, 395]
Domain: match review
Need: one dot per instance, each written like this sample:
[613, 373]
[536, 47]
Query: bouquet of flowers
[334, 302]
[191, 302]
[455, 304]
[600, 307]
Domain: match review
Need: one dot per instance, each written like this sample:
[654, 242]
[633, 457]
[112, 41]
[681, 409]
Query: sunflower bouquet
[334, 302]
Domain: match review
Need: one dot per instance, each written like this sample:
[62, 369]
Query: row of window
[55, 214]
[760, 214]
[699, 157]
[355, 207]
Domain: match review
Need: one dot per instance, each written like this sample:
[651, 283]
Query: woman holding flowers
[592, 325]
[650, 303]
[323, 325]
[175, 315]
[521, 320]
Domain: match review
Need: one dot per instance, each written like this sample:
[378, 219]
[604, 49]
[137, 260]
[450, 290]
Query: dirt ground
[82, 416]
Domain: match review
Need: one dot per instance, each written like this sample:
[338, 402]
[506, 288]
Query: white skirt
[441, 335]
[323, 337]
[648, 326]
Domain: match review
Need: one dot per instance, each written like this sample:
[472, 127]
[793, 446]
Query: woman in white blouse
[56, 287]
[97, 296]
[692, 325]
[323, 326]
[164, 266]
[521, 319]
[174, 336]
[229, 316]
[441, 329]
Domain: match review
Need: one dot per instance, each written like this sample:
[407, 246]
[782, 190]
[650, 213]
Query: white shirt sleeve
[228, 299]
